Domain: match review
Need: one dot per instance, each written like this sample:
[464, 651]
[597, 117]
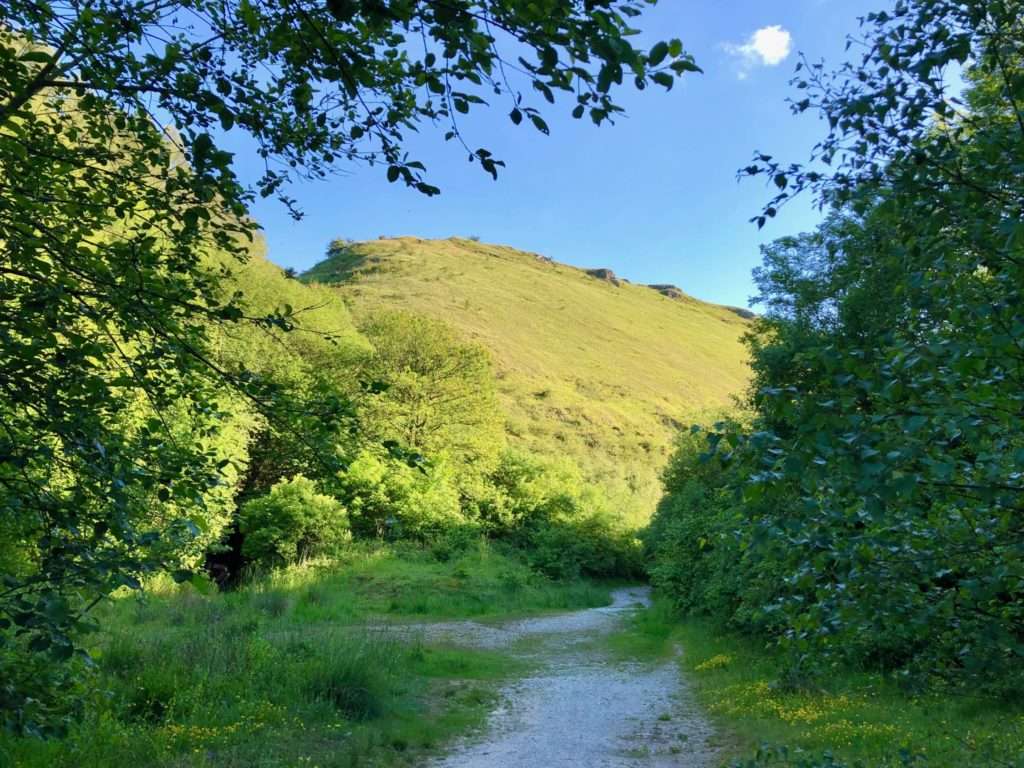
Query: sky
[654, 197]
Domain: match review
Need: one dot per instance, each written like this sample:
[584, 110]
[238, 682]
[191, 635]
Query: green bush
[562, 525]
[291, 523]
[705, 547]
[387, 498]
[589, 545]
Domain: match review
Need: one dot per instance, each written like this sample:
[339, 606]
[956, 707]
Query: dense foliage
[871, 509]
[433, 392]
[292, 523]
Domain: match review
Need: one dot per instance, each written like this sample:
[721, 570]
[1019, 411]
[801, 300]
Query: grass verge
[851, 719]
[289, 672]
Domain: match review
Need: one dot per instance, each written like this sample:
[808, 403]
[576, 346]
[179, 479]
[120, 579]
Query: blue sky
[654, 197]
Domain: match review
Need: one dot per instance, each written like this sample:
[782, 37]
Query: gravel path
[581, 708]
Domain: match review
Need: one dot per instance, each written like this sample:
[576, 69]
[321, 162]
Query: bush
[589, 545]
[292, 523]
[389, 499]
[562, 525]
[699, 544]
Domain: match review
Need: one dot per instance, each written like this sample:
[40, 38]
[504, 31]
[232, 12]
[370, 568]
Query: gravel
[581, 708]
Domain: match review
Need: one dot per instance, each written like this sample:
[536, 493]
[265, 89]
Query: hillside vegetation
[589, 366]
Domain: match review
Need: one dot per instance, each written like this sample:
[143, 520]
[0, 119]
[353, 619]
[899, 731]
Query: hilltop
[589, 366]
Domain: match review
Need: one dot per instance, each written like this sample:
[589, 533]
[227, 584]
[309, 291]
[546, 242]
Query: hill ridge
[602, 372]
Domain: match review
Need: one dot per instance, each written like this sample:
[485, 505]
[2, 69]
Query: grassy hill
[590, 366]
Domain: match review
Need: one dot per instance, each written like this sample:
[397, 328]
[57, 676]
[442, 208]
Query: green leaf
[663, 79]
[657, 54]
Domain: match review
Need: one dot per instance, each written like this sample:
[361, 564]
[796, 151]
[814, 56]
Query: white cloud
[767, 47]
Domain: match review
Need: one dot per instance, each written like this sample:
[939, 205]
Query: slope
[589, 367]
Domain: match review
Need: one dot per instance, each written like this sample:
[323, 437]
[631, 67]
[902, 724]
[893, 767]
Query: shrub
[561, 524]
[589, 545]
[699, 543]
[291, 523]
[389, 499]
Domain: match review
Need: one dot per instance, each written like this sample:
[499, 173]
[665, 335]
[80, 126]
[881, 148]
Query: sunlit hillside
[589, 365]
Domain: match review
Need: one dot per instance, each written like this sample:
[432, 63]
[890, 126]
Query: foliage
[703, 551]
[318, 84]
[430, 392]
[386, 497]
[562, 524]
[292, 523]
[589, 545]
[879, 495]
[106, 304]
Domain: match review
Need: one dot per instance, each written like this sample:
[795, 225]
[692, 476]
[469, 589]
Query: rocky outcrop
[604, 274]
[746, 314]
[669, 290]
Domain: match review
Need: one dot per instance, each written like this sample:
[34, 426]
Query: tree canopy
[319, 84]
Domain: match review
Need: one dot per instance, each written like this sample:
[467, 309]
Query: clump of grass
[272, 602]
[648, 635]
[356, 680]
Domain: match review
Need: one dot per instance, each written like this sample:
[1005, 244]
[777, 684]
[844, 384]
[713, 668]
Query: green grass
[598, 372]
[293, 670]
[860, 718]
[410, 582]
[649, 635]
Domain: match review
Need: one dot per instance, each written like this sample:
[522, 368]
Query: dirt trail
[581, 707]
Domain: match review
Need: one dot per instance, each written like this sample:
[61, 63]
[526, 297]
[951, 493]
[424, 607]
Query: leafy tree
[318, 83]
[434, 393]
[881, 477]
[390, 498]
[562, 524]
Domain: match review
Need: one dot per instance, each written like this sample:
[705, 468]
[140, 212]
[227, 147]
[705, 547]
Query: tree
[291, 523]
[433, 393]
[881, 474]
[115, 231]
[322, 83]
